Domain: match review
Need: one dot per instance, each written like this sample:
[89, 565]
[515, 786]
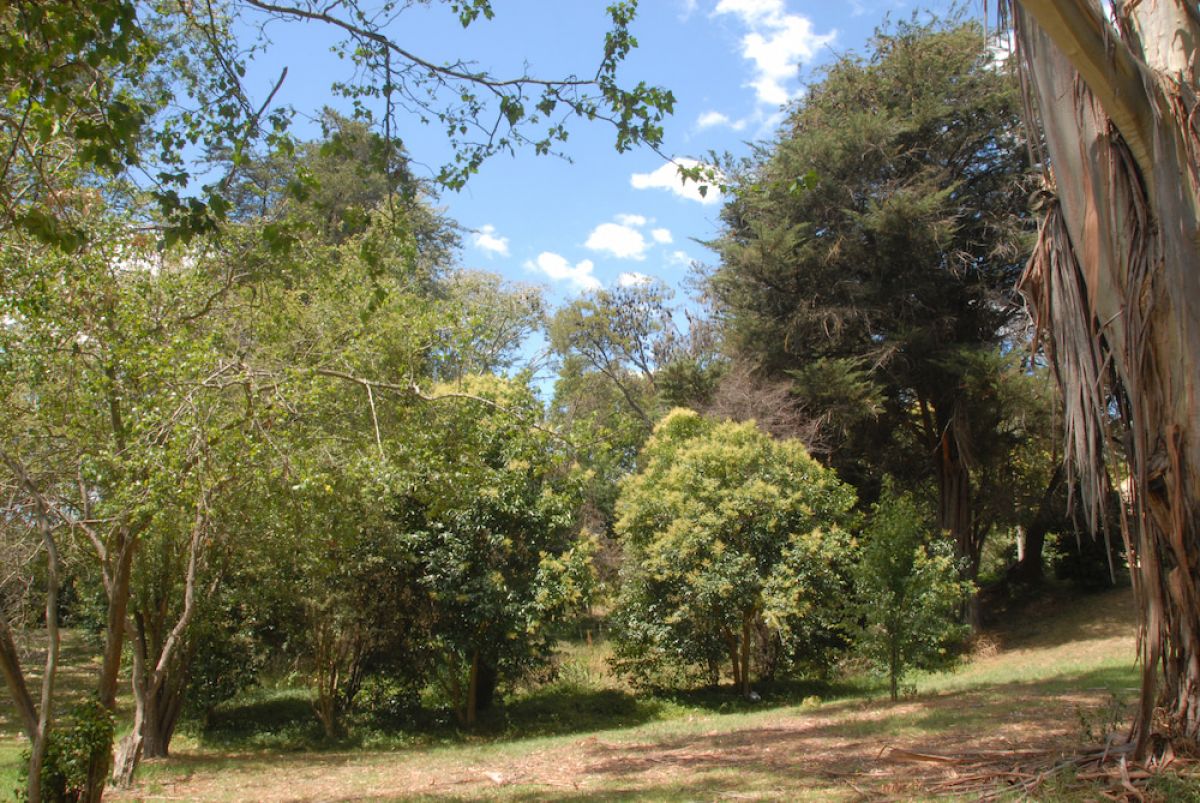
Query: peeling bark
[1114, 285]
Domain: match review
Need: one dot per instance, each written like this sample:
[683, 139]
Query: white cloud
[623, 242]
[667, 178]
[631, 220]
[662, 236]
[486, 240]
[633, 279]
[559, 269]
[680, 258]
[713, 119]
[778, 43]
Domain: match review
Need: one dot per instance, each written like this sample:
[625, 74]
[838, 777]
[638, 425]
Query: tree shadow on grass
[560, 712]
[279, 719]
[1036, 620]
[284, 720]
[823, 752]
[843, 746]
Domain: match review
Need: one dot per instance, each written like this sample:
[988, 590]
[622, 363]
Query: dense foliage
[909, 589]
[871, 254]
[735, 546]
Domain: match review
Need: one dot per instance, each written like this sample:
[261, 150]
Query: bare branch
[414, 391]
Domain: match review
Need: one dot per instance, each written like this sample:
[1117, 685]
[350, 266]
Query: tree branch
[481, 79]
[414, 391]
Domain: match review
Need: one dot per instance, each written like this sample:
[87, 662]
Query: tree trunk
[734, 662]
[894, 667]
[106, 686]
[1115, 285]
[129, 751]
[161, 729]
[36, 724]
[747, 632]
[488, 679]
[954, 502]
[158, 700]
[955, 515]
[473, 689]
[1028, 569]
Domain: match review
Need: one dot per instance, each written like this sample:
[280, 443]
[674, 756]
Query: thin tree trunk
[747, 631]
[14, 678]
[37, 725]
[894, 666]
[129, 751]
[734, 662]
[489, 678]
[473, 689]
[1028, 568]
[100, 763]
[37, 753]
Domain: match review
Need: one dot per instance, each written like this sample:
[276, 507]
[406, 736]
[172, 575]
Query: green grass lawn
[1054, 677]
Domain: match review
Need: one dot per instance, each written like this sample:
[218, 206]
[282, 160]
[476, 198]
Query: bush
[71, 750]
[911, 591]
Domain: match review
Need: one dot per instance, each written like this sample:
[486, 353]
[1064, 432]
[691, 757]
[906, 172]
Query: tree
[354, 582]
[105, 373]
[625, 335]
[1114, 284]
[624, 363]
[131, 87]
[871, 256]
[727, 533]
[492, 318]
[486, 507]
[909, 589]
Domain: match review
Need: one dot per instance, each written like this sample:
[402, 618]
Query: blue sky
[606, 218]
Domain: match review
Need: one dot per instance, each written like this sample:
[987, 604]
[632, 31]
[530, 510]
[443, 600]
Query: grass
[1052, 677]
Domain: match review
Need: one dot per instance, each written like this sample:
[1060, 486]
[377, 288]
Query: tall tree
[625, 335]
[871, 255]
[1114, 284]
[487, 507]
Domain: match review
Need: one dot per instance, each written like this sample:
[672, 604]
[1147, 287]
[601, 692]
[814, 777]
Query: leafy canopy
[722, 526]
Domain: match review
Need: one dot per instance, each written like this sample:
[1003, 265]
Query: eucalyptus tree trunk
[1115, 283]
